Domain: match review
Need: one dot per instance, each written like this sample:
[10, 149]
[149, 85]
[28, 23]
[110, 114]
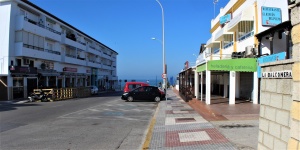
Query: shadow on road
[5, 106]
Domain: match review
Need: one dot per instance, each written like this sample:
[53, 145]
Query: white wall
[5, 8]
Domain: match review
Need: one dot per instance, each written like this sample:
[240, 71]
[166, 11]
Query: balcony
[25, 50]
[107, 67]
[72, 59]
[92, 63]
[92, 50]
[73, 43]
[25, 24]
[228, 45]
[106, 56]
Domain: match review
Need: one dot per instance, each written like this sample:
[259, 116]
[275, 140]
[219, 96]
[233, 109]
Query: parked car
[94, 90]
[163, 94]
[132, 85]
[143, 93]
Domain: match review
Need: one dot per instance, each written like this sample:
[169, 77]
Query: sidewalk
[176, 125]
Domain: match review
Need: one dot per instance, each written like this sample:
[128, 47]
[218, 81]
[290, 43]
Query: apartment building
[227, 66]
[40, 50]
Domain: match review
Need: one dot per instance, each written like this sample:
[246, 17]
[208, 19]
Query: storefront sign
[271, 16]
[277, 74]
[69, 69]
[242, 65]
[23, 71]
[268, 59]
[225, 18]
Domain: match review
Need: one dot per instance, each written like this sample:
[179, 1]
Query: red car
[132, 85]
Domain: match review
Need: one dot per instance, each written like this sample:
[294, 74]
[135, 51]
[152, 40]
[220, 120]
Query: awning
[221, 33]
[49, 74]
[240, 65]
[211, 42]
[201, 68]
[245, 15]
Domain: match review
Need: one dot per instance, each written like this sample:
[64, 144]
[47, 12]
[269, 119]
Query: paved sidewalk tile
[179, 127]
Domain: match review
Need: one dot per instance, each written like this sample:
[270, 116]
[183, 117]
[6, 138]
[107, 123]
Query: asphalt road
[103, 122]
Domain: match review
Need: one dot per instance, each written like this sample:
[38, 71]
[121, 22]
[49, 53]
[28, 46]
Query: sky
[128, 26]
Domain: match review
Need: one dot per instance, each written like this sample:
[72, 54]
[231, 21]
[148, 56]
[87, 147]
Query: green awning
[201, 68]
[241, 65]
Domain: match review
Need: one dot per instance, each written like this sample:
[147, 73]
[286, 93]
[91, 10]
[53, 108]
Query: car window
[136, 90]
[148, 89]
[142, 89]
[133, 86]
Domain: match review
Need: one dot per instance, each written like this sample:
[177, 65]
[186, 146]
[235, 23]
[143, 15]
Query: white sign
[277, 74]
[164, 75]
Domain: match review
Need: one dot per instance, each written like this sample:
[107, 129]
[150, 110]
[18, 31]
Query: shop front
[232, 78]
[69, 76]
[48, 78]
[23, 80]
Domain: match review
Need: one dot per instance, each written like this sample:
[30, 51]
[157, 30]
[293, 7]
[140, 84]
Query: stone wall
[294, 141]
[279, 123]
[275, 100]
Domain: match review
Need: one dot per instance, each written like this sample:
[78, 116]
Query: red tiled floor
[173, 140]
[221, 110]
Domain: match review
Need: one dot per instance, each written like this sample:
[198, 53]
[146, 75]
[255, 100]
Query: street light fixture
[163, 46]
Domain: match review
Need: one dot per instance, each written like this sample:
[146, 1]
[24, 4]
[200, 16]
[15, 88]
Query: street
[99, 122]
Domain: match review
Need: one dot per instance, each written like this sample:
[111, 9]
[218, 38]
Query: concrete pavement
[193, 125]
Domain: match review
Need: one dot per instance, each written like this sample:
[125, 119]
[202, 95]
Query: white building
[230, 66]
[39, 49]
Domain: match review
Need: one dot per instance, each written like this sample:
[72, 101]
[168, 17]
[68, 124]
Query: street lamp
[163, 46]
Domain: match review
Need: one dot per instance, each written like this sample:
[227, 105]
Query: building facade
[40, 50]
[228, 65]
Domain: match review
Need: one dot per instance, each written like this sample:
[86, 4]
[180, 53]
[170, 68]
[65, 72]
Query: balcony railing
[228, 45]
[92, 47]
[42, 26]
[52, 52]
[247, 35]
[80, 58]
[33, 47]
[216, 51]
[70, 55]
[82, 43]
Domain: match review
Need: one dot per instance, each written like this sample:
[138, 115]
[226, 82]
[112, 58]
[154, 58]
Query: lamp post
[163, 45]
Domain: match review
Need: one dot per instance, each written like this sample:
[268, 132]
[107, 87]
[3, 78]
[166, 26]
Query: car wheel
[157, 99]
[130, 99]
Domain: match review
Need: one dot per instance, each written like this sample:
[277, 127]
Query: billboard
[271, 16]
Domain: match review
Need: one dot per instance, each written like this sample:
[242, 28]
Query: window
[228, 40]
[49, 46]
[245, 30]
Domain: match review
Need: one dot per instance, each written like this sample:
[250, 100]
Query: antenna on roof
[215, 2]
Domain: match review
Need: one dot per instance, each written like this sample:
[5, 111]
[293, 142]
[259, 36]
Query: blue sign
[268, 59]
[271, 16]
[225, 18]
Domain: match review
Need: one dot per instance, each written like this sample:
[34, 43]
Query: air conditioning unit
[248, 51]
[26, 61]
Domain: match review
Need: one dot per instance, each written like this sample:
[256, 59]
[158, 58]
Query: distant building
[40, 50]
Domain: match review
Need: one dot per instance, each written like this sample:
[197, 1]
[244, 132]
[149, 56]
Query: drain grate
[236, 126]
[184, 120]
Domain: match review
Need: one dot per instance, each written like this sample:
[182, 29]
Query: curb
[150, 130]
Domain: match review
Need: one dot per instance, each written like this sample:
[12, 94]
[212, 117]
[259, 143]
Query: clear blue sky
[127, 27]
